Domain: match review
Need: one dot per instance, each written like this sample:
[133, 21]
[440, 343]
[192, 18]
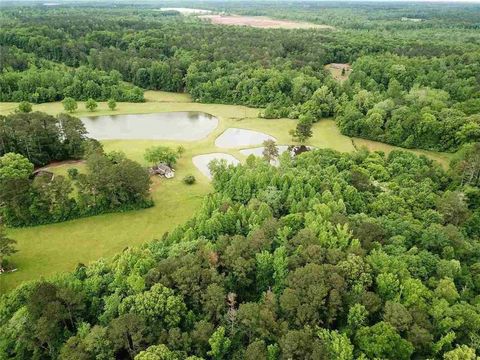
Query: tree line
[57, 82]
[42, 138]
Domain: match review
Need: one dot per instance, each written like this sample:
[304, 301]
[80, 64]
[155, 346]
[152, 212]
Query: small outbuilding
[162, 170]
[298, 149]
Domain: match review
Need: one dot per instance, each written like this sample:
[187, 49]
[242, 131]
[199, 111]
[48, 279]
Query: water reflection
[185, 125]
[235, 137]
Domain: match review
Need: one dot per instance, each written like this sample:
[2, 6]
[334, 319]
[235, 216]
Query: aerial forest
[325, 255]
[329, 256]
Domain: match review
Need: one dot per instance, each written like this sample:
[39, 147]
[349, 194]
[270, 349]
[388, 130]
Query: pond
[202, 161]
[235, 137]
[181, 125]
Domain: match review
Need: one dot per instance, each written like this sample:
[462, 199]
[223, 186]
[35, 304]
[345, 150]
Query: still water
[159, 126]
[235, 137]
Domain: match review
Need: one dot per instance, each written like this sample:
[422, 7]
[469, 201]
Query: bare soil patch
[340, 72]
[261, 22]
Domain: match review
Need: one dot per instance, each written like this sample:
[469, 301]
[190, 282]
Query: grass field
[50, 249]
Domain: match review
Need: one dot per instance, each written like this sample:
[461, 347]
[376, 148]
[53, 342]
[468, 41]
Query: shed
[298, 149]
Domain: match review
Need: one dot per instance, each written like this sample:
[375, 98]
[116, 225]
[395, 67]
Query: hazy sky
[200, 1]
[179, 3]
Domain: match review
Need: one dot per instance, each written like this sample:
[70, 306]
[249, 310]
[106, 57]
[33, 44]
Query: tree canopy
[307, 260]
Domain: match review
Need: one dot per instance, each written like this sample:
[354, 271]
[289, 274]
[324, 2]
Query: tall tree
[91, 104]
[270, 150]
[303, 130]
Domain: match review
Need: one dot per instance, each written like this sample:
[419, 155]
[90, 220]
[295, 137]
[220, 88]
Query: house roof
[161, 169]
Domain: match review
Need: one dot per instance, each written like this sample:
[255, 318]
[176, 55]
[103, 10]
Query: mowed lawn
[51, 249]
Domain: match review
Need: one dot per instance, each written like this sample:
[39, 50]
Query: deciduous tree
[69, 104]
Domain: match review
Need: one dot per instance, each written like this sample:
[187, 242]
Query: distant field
[261, 22]
[185, 11]
[51, 249]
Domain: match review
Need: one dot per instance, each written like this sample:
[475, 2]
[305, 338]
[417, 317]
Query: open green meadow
[51, 249]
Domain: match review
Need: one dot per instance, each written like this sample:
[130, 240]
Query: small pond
[202, 161]
[234, 138]
[182, 125]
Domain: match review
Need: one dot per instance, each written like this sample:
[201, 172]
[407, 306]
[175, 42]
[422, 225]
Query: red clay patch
[261, 22]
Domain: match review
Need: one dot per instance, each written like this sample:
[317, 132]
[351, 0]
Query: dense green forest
[329, 256]
[87, 52]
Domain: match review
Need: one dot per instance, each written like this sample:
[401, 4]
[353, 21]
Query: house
[162, 170]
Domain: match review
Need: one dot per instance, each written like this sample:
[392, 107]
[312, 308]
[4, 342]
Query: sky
[164, 2]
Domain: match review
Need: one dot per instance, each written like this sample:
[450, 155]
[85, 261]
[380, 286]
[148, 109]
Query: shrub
[72, 173]
[189, 179]
[112, 104]
[25, 107]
